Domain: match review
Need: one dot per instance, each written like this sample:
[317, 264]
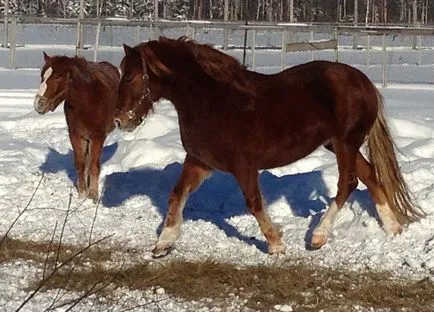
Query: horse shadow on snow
[56, 162]
[220, 197]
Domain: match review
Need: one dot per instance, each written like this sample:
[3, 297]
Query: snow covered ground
[140, 168]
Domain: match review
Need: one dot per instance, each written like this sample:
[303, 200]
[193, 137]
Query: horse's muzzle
[127, 125]
[41, 104]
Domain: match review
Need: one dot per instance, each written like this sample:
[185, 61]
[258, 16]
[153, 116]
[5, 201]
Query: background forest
[342, 11]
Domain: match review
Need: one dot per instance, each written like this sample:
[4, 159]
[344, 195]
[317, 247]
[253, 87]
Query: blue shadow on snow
[57, 162]
[220, 197]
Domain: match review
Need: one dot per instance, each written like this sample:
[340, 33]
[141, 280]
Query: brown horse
[235, 120]
[89, 91]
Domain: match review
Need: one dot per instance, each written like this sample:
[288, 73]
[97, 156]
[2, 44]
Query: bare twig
[22, 211]
[62, 231]
[48, 251]
[57, 268]
[94, 219]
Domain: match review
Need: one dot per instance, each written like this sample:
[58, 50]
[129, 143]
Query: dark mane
[188, 56]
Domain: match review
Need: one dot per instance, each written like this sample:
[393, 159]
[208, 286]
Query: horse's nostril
[117, 122]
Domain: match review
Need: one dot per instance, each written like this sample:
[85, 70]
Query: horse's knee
[254, 203]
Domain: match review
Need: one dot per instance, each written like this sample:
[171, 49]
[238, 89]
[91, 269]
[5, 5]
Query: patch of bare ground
[303, 286]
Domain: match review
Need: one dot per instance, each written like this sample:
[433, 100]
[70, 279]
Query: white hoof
[318, 240]
[279, 248]
[162, 250]
[393, 228]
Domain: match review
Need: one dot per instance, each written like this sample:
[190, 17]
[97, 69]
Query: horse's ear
[129, 51]
[46, 56]
[154, 63]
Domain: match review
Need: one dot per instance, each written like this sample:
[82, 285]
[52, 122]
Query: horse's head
[54, 85]
[139, 86]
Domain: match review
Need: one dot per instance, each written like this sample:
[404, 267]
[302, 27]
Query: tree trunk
[367, 13]
[402, 10]
[356, 12]
[414, 12]
[291, 11]
[226, 11]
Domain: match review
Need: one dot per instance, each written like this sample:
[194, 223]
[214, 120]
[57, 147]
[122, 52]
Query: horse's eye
[128, 79]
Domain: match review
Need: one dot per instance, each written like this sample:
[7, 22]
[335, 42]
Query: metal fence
[386, 55]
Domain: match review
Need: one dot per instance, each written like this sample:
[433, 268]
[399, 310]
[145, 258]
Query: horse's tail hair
[383, 160]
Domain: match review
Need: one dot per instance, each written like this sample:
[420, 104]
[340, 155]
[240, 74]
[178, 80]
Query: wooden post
[78, 43]
[311, 53]
[138, 34]
[335, 37]
[81, 17]
[98, 31]
[225, 38]
[368, 47]
[253, 49]
[12, 38]
[384, 61]
[6, 24]
[283, 54]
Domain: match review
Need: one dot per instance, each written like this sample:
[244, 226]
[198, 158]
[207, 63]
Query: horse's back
[94, 100]
[107, 74]
[330, 91]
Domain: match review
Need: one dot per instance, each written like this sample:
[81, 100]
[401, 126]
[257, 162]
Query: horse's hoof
[318, 240]
[82, 195]
[395, 228]
[94, 196]
[161, 251]
[276, 249]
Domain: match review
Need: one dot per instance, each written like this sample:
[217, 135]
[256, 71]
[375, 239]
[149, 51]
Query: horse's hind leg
[249, 184]
[346, 155]
[94, 166]
[366, 174]
[79, 146]
[193, 174]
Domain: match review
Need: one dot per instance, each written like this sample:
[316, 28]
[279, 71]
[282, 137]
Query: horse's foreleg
[94, 165]
[249, 184]
[79, 146]
[346, 157]
[193, 174]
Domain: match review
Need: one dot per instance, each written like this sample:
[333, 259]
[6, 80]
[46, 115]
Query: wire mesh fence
[386, 55]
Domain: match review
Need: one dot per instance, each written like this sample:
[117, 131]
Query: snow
[140, 168]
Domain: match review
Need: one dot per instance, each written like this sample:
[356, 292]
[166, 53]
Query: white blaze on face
[43, 86]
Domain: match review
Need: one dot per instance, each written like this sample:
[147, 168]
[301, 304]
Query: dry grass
[305, 287]
[46, 252]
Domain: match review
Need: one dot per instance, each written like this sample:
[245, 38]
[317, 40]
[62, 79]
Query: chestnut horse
[89, 91]
[239, 121]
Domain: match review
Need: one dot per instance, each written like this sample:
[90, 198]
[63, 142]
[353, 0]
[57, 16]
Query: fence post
[193, 32]
[419, 52]
[253, 49]
[335, 36]
[283, 54]
[225, 38]
[384, 61]
[311, 40]
[78, 44]
[138, 34]
[95, 51]
[6, 23]
[368, 49]
[12, 37]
